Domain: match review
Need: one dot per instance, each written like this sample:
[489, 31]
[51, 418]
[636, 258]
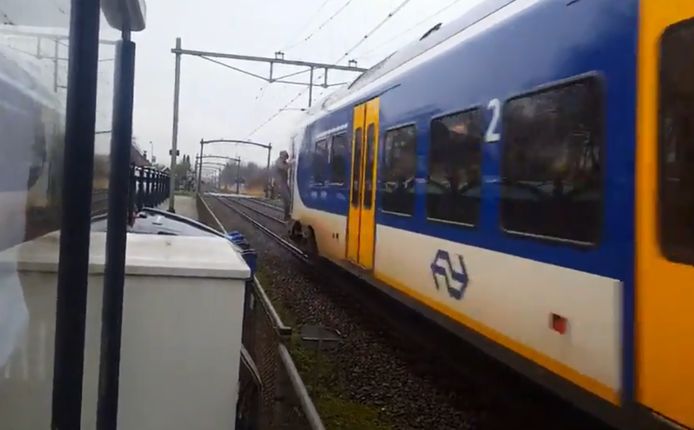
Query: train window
[399, 167]
[369, 166]
[455, 157]
[320, 161]
[551, 164]
[338, 159]
[356, 167]
[677, 143]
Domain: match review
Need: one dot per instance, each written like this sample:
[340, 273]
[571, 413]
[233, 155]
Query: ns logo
[451, 274]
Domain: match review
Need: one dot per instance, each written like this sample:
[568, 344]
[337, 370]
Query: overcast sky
[217, 102]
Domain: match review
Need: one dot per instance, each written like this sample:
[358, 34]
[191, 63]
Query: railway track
[268, 205]
[246, 203]
[418, 342]
[289, 246]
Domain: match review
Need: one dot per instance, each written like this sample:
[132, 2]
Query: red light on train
[559, 324]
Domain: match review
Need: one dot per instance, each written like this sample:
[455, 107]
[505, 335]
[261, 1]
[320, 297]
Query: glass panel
[33, 73]
[551, 168]
[338, 159]
[356, 167]
[369, 167]
[677, 143]
[320, 162]
[34, 50]
[455, 156]
[398, 172]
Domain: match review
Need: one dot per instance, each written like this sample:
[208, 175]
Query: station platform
[184, 205]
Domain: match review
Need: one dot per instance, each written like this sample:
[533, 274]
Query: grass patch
[318, 372]
[287, 316]
[337, 411]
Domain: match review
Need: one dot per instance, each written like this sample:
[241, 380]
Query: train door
[665, 211]
[361, 219]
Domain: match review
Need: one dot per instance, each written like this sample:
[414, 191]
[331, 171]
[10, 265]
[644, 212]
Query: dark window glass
[338, 159]
[551, 166]
[369, 166]
[399, 168]
[356, 167]
[677, 143]
[320, 161]
[455, 157]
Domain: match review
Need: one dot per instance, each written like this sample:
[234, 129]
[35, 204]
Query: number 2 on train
[492, 134]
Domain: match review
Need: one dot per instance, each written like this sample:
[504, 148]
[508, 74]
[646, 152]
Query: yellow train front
[525, 176]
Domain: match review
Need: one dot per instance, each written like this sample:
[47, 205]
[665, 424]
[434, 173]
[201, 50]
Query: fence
[148, 187]
[278, 399]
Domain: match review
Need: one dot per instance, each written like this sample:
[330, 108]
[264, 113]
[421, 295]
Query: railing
[280, 399]
[148, 187]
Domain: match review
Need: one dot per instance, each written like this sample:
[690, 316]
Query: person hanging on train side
[281, 174]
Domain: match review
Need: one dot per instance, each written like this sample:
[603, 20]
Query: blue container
[234, 235]
[238, 239]
[251, 258]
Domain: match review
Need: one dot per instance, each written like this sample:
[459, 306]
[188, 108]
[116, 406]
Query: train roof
[434, 36]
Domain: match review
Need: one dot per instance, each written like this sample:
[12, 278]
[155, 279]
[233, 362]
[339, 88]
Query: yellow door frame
[354, 212]
[361, 217]
[664, 289]
[367, 226]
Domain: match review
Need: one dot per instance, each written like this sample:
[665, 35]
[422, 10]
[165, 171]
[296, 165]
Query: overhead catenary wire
[272, 117]
[261, 91]
[408, 29]
[322, 26]
[309, 21]
[361, 41]
[374, 30]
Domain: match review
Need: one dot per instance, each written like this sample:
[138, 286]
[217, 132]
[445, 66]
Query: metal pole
[140, 188]
[78, 173]
[148, 187]
[116, 236]
[195, 173]
[202, 148]
[157, 185]
[310, 88]
[55, 66]
[269, 175]
[174, 137]
[267, 60]
[238, 174]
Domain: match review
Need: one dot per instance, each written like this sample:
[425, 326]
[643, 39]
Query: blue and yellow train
[525, 176]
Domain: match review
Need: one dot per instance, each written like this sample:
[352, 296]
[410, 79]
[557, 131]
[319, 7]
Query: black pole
[148, 187]
[131, 191]
[157, 187]
[269, 175]
[73, 266]
[140, 188]
[150, 181]
[116, 235]
[161, 188]
[202, 152]
[238, 174]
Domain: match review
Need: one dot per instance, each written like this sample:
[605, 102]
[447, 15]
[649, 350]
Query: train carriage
[525, 176]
